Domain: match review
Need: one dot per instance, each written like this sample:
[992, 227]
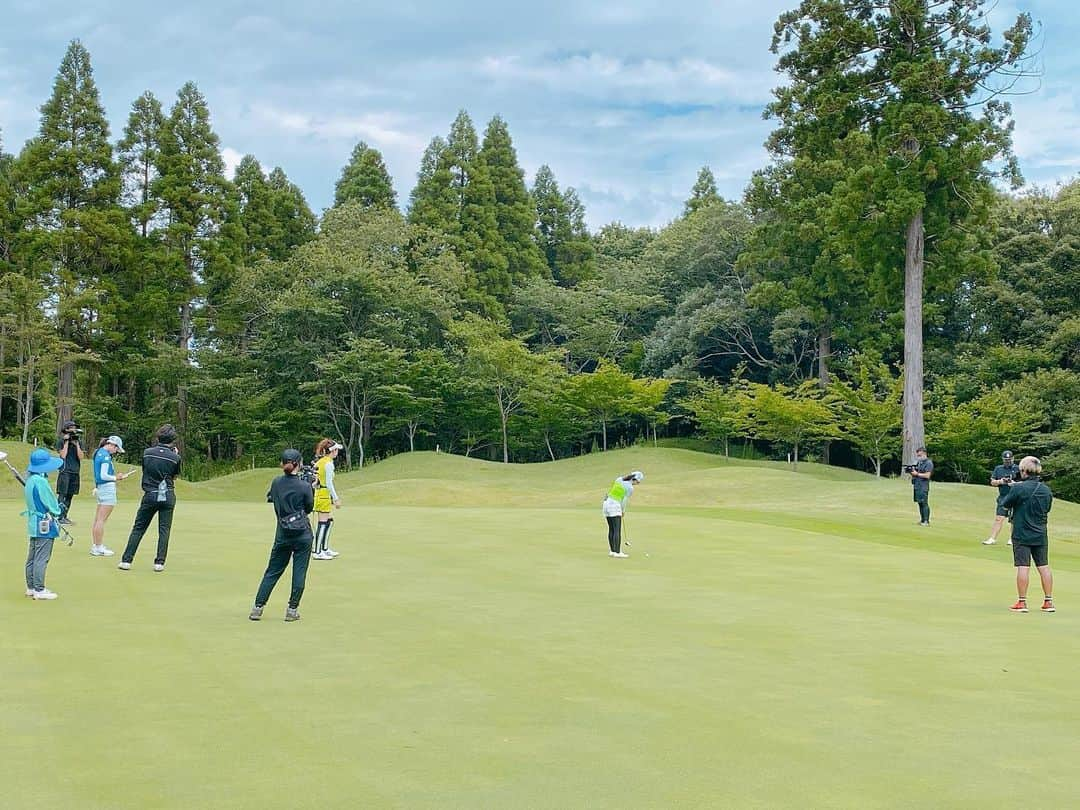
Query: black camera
[72, 434]
[910, 468]
[309, 474]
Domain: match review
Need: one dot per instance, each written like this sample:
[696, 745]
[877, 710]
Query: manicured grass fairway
[792, 640]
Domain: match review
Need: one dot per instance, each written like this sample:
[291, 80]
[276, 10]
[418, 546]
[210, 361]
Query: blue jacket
[40, 501]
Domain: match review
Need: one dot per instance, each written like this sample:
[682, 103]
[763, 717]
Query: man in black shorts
[1002, 477]
[1030, 500]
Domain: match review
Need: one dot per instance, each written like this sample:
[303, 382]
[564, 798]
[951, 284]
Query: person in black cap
[920, 473]
[293, 500]
[67, 480]
[1002, 477]
[160, 466]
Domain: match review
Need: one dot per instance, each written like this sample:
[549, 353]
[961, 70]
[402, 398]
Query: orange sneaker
[1020, 606]
[1048, 606]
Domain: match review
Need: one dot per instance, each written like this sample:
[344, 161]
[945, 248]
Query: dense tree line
[140, 284]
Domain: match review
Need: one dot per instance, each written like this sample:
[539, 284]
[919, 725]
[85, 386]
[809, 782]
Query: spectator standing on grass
[614, 508]
[920, 472]
[326, 498]
[42, 514]
[293, 501]
[105, 479]
[1002, 477]
[68, 481]
[1031, 499]
[160, 467]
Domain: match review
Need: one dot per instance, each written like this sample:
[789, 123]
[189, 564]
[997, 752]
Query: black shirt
[923, 465]
[72, 465]
[289, 494]
[159, 463]
[1030, 501]
[1009, 472]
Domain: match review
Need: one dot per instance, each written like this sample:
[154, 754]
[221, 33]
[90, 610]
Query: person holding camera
[293, 500]
[105, 479]
[160, 467]
[67, 481]
[920, 473]
[326, 497]
[42, 513]
[1030, 499]
[1002, 477]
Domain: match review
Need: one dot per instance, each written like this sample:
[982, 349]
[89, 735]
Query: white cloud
[232, 159]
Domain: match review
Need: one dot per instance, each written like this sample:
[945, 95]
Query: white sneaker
[159, 567]
[620, 554]
[124, 566]
[44, 594]
[101, 551]
[321, 555]
[1010, 542]
[29, 591]
[989, 541]
[331, 552]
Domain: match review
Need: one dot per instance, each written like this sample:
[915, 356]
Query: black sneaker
[291, 614]
[64, 522]
[256, 613]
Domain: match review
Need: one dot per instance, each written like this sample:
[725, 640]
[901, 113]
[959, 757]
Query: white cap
[336, 446]
[637, 475]
[117, 441]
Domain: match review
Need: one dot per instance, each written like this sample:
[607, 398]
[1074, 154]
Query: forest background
[139, 284]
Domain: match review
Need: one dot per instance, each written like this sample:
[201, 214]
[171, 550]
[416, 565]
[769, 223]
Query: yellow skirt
[322, 500]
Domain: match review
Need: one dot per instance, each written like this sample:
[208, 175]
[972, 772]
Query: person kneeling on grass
[42, 513]
[1030, 500]
[293, 501]
[615, 505]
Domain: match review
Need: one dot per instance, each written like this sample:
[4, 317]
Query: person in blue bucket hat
[42, 511]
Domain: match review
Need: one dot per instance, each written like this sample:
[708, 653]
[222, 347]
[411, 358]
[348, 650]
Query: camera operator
[67, 480]
[1002, 477]
[1030, 500]
[920, 473]
[293, 499]
[160, 466]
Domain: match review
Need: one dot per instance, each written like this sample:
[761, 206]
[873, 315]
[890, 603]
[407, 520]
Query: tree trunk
[914, 431]
[877, 467]
[824, 352]
[547, 441]
[181, 389]
[603, 424]
[506, 449]
[795, 458]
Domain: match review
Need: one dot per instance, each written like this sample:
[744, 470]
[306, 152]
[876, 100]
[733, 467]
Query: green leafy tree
[906, 80]
[194, 197]
[648, 399]
[717, 413]
[563, 236]
[295, 221]
[514, 210]
[872, 411]
[605, 395]
[76, 235]
[138, 153]
[790, 416]
[365, 180]
[703, 193]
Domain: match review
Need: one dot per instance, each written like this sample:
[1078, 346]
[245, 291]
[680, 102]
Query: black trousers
[298, 549]
[923, 500]
[614, 532]
[67, 487]
[148, 507]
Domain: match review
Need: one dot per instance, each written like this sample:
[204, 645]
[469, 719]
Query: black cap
[1007, 454]
[70, 424]
[292, 456]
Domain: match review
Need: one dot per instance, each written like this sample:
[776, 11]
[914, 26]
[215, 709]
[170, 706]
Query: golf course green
[777, 638]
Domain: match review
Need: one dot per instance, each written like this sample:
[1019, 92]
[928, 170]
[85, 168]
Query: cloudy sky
[625, 99]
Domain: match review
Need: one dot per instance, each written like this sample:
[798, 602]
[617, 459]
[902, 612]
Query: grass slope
[790, 640]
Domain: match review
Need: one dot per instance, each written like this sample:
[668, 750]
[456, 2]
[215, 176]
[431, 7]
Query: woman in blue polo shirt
[105, 478]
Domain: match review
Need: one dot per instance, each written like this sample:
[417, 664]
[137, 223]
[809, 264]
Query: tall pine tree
[365, 180]
[563, 236]
[432, 203]
[76, 235]
[514, 209]
[194, 195]
[137, 154]
[704, 192]
[295, 219]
